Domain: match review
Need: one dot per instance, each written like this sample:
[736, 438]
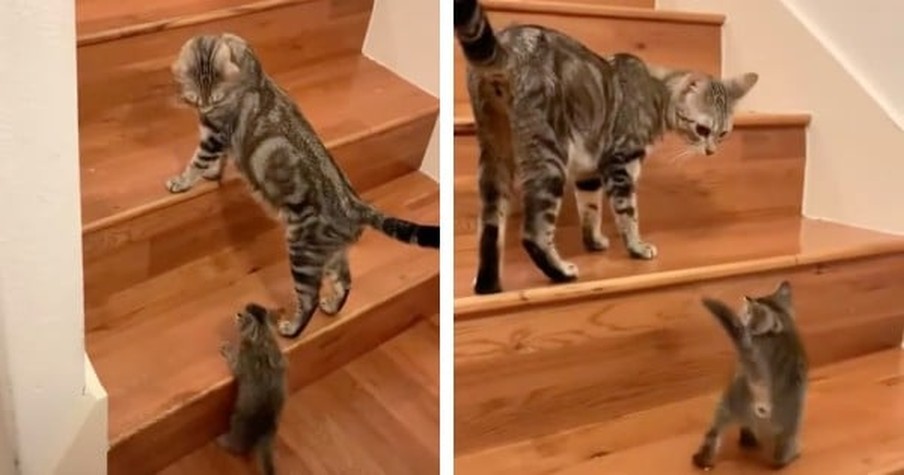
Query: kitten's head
[253, 321]
[211, 69]
[704, 107]
[771, 313]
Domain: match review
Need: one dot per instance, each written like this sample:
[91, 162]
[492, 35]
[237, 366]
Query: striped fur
[245, 115]
[547, 108]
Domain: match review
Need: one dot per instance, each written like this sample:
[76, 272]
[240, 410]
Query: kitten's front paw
[178, 184]
[643, 250]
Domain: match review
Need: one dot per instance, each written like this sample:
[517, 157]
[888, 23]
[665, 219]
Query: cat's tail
[399, 229]
[265, 455]
[751, 362]
[476, 36]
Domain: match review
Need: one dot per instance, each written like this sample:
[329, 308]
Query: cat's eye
[190, 97]
[703, 130]
[216, 96]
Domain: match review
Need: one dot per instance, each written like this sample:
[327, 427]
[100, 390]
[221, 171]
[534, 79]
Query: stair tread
[128, 152]
[752, 245]
[602, 10]
[167, 354]
[377, 414]
[858, 394]
[102, 18]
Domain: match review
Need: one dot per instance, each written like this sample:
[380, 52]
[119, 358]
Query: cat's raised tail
[476, 36]
[400, 229]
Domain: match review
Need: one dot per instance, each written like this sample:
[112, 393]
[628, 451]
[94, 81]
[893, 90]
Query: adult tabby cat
[546, 106]
[766, 395]
[244, 114]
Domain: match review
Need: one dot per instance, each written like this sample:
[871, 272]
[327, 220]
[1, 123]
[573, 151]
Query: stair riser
[120, 259]
[691, 191]
[684, 45]
[608, 3]
[179, 433]
[284, 38]
[541, 369]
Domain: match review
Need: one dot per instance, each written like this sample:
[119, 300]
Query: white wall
[40, 237]
[855, 150]
[403, 37]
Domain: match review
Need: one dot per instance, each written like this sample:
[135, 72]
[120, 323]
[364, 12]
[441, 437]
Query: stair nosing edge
[476, 307]
[606, 11]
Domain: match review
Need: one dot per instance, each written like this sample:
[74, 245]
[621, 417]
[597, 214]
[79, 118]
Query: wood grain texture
[162, 371]
[379, 414]
[685, 192]
[610, 3]
[860, 395]
[539, 369]
[668, 38]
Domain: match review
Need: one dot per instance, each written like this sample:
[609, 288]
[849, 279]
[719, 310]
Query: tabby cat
[547, 107]
[245, 115]
[766, 395]
[260, 374]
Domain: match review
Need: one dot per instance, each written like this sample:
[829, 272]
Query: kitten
[260, 374]
[245, 115]
[547, 107]
[766, 395]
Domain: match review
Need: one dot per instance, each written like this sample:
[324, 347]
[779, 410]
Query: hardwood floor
[853, 425]
[377, 415]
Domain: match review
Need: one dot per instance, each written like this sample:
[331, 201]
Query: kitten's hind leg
[494, 183]
[621, 174]
[206, 161]
[786, 449]
[588, 194]
[307, 263]
[339, 277]
[748, 439]
[705, 457]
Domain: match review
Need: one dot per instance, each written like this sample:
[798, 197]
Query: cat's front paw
[595, 243]
[643, 250]
[179, 184]
[702, 460]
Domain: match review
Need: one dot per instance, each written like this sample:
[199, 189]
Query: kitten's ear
[765, 322]
[222, 59]
[782, 294]
[739, 86]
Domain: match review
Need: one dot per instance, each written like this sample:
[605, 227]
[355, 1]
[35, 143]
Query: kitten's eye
[190, 97]
[216, 96]
[703, 130]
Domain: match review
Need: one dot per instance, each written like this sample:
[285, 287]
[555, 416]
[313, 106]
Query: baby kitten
[260, 371]
[766, 395]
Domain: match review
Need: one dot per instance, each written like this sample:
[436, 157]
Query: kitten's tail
[405, 231]
[476, 36]
[752, 364]
[265, 455]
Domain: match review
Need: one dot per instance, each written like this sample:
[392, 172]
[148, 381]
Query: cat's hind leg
[588, 193]
[339, 280]
[748, 439]
[621, 173]
[307, 261]
[705, 457]
[494, 184]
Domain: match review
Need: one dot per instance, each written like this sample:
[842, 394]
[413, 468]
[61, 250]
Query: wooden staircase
[164, 273]
[619, 372]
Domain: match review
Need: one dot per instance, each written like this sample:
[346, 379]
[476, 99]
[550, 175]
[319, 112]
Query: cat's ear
[739, 86]
[222, 60]
[782, 294]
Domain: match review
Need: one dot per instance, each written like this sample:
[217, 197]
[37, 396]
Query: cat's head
[704, 107]
[211, 70]
[771, 313]
[253, 321]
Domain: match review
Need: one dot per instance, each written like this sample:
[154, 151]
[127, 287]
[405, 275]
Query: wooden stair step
[668, 38]
[162, 370]
[611, 3]
[679, 192]
[379, 414]
[538, 361]
[128, 152]
[859, 395]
